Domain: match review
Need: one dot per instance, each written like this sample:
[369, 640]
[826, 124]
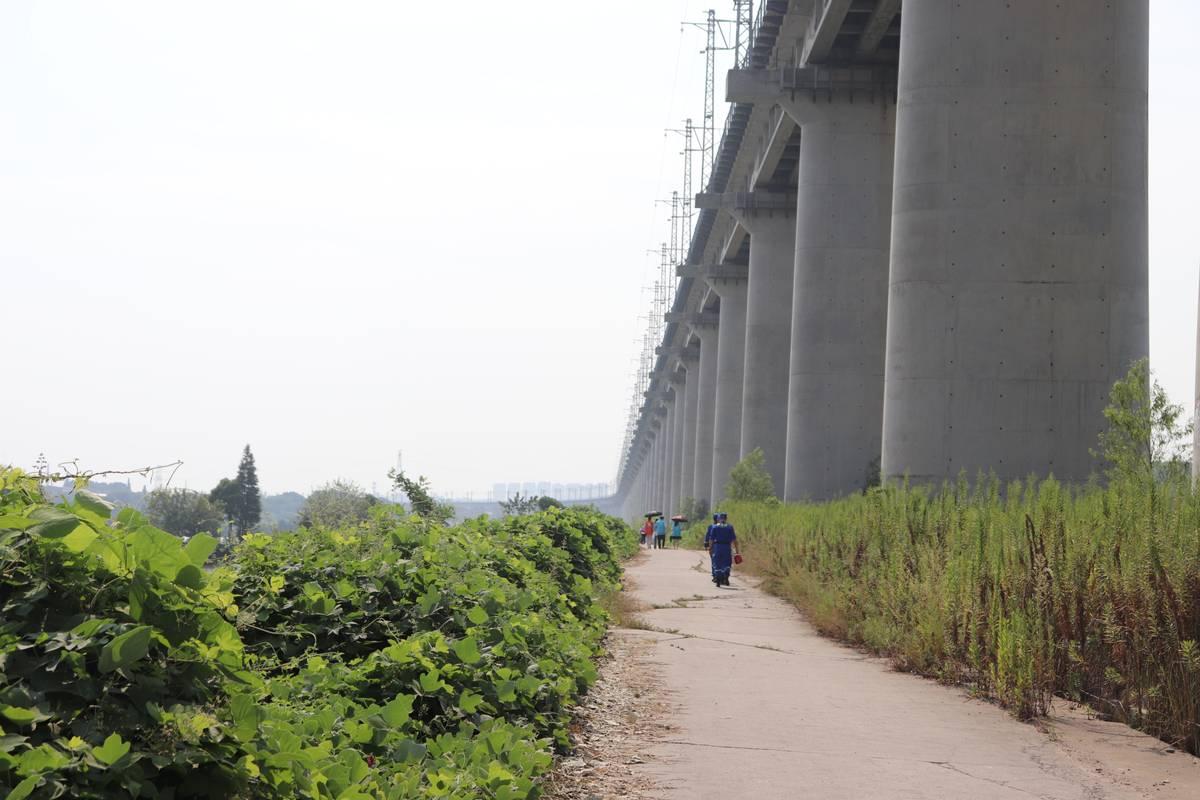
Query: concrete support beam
[818, 84]
[835, 396]
[826, 24]
[695, 319]
[713, 271]
[747, 202]
[768, 339]
[1018, 287]
[731, 364]
[706, 406]
[877, 26]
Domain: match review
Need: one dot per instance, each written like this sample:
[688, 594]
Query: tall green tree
[749, 480]
[240, 498]
[225, 496]
[1147, 434]
[249, 500]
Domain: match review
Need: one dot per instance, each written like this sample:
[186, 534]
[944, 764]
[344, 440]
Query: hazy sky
[340, 230]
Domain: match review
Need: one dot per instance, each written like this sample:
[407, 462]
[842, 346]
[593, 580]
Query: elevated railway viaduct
[922, 250]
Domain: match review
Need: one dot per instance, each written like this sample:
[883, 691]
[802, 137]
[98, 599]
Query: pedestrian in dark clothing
[721, 543]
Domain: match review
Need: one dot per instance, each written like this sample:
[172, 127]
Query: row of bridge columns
[961, 278]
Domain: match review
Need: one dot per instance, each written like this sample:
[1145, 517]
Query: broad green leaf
[53, 523]
[10, 742]
[112, 751]
[45, 758]
[88, 628]
[246, 715]
[80, 539]
[94, 503]
[140, 592]
[398, 711]
[126, 649]
[276, 584]
[130, 518]
[23, 716]
[199, 548]
[158, 550]
[506, 691]
[407, 751]
[355, 766]
[467, 650]
[477, 615]
[468, 701]
[431, 681]
[360, 732]
[191, 576]
[14, 522]
[25, 788]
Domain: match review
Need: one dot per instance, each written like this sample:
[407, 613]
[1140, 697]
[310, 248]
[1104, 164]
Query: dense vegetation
[393, 659]
[1019, 592]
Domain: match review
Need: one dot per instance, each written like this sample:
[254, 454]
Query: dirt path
[759, 706]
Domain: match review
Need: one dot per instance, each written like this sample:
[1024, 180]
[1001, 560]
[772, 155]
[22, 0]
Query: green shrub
[397, 659]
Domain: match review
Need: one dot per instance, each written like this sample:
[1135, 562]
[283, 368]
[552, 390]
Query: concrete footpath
[760, 706]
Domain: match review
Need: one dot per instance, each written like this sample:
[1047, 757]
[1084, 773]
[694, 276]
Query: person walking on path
[676, 532]
[721, 543]
[660, 533]
[647, 531]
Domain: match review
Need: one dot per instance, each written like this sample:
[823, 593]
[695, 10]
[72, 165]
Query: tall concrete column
[1018, 287]
[839, 305]
[731, 363]
[651, 466]
[691, 396]
[706, 407]
[661, 438]
[668, 458]
[679, 380]
[768, 338]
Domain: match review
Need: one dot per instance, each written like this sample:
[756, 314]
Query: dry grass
[610, 730]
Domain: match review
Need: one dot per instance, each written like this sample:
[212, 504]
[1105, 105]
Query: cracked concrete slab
[763, 707]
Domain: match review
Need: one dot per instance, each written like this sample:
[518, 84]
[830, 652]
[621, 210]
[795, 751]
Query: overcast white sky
[340, 230]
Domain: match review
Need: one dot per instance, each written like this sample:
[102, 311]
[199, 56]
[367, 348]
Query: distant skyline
[339, 231]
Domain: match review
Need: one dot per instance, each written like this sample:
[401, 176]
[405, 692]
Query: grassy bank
[1038, 590]
[394, 659]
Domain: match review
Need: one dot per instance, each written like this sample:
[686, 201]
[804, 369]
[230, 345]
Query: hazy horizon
[341, 232]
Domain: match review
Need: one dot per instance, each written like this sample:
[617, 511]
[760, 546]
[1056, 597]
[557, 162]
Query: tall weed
[1091, 593]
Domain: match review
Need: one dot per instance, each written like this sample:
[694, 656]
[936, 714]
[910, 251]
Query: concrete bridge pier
[706, 331]
[678, 379]
[839, 305]
[652, 489]
[1018, 285]
[664, 452]
[768, 337]
[690, 361]
[668, 457]
[731, 362]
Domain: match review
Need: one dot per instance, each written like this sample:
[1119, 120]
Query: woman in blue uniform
[721, 543]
